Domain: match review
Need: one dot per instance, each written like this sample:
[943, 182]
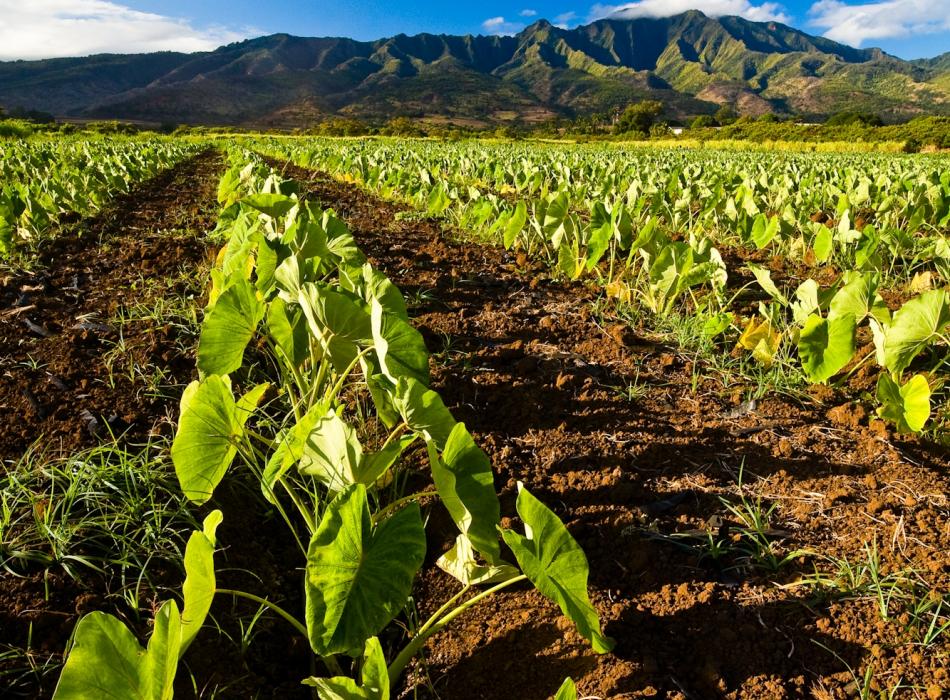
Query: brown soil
[534, 374]
[64, 358]
[65, 381]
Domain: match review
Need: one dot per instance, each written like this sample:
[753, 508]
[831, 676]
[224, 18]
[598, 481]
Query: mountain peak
[691, 62]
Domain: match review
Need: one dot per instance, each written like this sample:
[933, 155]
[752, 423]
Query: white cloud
[757, 12]
[55, 28]
[855, 24]
[501, 27]
[528, 13]
[563, 19]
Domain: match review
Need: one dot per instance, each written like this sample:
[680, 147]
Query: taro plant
[292, 292]
[105, 659]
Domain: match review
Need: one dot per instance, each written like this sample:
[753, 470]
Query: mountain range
[690, 62]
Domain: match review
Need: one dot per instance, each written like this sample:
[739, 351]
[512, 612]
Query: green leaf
[273, 205]
[377, 286]
[908, 406]
[824, 244]
[376, 464]
[358, 577]
[338, 321]
[200, 586]
[826, 346]
[290, 449]
[228, 328]
[515, 225]
[207, 430]
[374, 679]
[107, 662]
[556, 565]
[916, 325]
[423, 411]
[400, 349]
[567, 691]
[460, 562]
[763, 234]
[857, 297]
[463, 477]
[288, 328]
[332, 452]
[764, 278]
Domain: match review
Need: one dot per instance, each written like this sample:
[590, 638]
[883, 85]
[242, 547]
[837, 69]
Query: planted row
[42, 180]
[301, 320]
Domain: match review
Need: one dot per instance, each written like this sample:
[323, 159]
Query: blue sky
[46, 28]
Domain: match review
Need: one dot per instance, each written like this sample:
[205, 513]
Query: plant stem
[272, 606]
[400, 502]
[405, 656]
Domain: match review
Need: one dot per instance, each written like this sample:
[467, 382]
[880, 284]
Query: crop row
[301, 321]
[652, 227]
[42, 180]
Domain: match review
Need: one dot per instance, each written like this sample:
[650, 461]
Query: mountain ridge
[691, 62]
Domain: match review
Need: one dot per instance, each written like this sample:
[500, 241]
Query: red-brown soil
[65, 380]
[637, 477]
[64, 359]
[524, 362]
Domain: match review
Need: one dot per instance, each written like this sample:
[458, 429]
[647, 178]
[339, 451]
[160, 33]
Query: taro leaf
[376, 464]
[273, 205]
[374, 679]
[460, 562]
[288, 328]
[567, 261]
[377, 286]
[338, 321]
[826, 346]
[423, 411]
[332, 452]
[515, 224]
[823, 244]
[764, 278]
[908, 406]
[463, 477]
[918, 323]
[556, 212]
[716, 324]
[290, 449]
[290, 276]
[107, 662]
[204, 444]
[601, 232]
[359, 576]
[382, 392]
[857, 297]
[200, 586]
[399, 347]
[762, 340]
[806, 301]
[228, 328]
[762, 234]
[556, 565]
[567, 691]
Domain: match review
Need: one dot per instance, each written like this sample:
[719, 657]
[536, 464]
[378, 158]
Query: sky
[33, 29]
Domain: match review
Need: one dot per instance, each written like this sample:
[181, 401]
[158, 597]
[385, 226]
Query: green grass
[111, 507]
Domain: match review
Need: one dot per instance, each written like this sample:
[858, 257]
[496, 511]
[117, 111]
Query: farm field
[276, 404]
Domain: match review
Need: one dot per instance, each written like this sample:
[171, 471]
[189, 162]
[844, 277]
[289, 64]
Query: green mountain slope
[691, 62]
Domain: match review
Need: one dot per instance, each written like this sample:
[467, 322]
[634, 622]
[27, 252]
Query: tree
[639, 117]
[726, 115]
[850, 117]
[704, 121]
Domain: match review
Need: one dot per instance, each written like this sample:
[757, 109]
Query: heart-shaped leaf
[359, 576]
[554, 562]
